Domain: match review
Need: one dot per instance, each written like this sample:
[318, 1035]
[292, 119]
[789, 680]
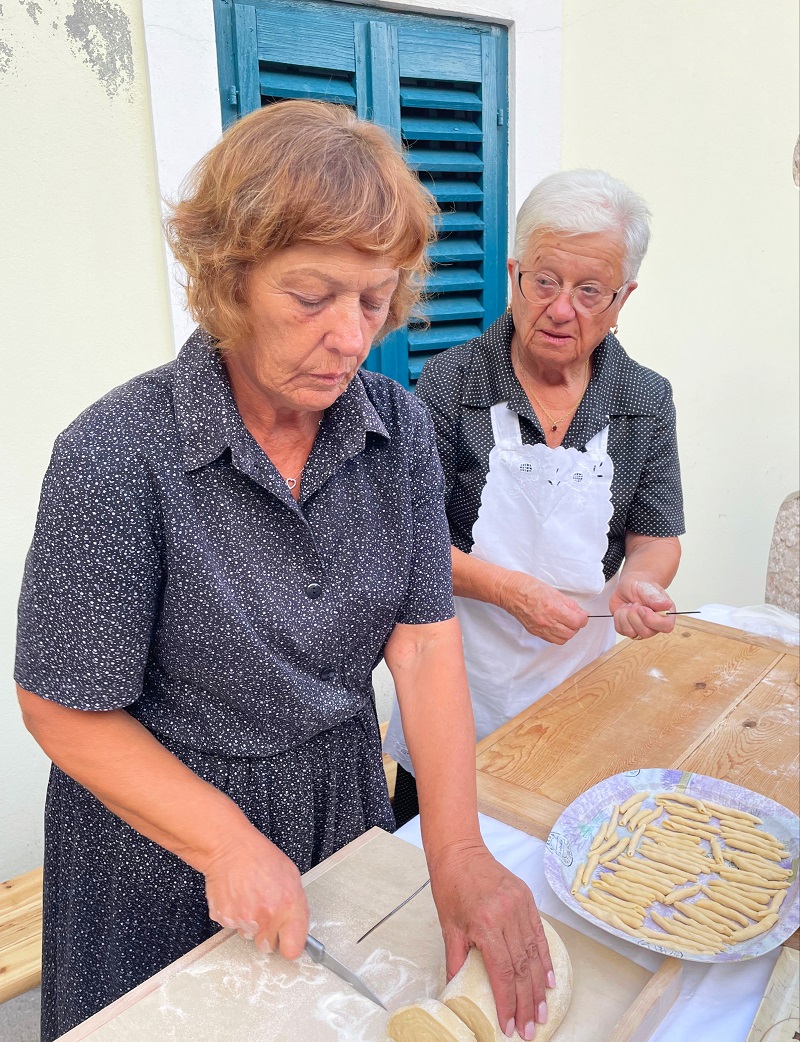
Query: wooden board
[704, 698]
[778, 1015]
[225, 989]
[20, 934]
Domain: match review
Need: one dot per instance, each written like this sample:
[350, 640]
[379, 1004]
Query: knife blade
[316, 949]
[395, 909]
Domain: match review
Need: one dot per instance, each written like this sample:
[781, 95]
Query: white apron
[544, 512]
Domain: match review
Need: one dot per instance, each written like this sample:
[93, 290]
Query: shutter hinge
[501, 117]
[233, 96]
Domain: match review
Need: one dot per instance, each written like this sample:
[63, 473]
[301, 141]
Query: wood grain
[778, 1016]
[20, 934]
[705, 698]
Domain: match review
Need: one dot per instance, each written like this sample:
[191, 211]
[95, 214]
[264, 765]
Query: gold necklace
[555, 422]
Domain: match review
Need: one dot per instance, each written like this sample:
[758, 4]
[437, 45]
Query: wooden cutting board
[705, 698]
[778, 1016]
[224, 990]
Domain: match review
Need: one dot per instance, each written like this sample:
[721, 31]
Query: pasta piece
[577, 879]
[681, 797]
[696, 914]
[753, 931]
[631, 802]
[777, 901]
[591, 865]
[714, 807]
[680, 929]
[709, 907]
[614, 852]
[681, 895]
[734, 874]
[611, 828]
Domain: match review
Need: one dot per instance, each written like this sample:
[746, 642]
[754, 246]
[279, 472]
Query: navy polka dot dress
[172, 574]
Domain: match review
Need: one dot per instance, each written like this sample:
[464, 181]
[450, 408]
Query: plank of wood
[756, 745]
[646, 706]
[652, 1004]
[516, 806]
[778, 1016]
[20, 934]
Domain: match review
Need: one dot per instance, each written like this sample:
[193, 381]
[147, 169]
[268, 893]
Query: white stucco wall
[83, 287]
[695, 105]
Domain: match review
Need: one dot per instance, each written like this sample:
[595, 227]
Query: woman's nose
[346, 334]
[560, 308]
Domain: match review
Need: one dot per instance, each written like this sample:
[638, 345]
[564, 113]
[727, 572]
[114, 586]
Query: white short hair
[577, 202]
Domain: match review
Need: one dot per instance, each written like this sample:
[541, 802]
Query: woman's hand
[483, 905]
[650, 564]
[635, 604]
[541, 609]
[254, 888]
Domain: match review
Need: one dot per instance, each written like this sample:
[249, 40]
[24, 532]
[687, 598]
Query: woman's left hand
[635, 605]
[483, 905]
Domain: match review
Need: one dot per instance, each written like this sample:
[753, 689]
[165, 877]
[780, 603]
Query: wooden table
[705, 698]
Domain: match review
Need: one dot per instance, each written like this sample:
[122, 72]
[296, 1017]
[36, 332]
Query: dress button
[313, 590]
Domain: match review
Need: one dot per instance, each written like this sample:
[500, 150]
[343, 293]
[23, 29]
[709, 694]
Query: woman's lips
[556, 338]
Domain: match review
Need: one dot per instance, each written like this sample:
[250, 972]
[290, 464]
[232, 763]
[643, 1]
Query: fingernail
[510, 1028]
[551, 979]
[528, 1033]
[541, 1015]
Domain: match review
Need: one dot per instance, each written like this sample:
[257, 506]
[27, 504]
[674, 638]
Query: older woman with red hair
[225, 548]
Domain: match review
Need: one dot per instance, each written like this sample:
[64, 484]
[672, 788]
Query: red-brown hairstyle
[296, 172]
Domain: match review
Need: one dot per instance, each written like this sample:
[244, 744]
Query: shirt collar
[209, 421]
[491, 379]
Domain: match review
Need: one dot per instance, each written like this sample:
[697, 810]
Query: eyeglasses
[590, 298]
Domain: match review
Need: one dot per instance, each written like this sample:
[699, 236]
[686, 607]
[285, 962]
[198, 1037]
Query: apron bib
[544, 512]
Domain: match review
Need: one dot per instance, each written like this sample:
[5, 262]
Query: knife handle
[315, 948]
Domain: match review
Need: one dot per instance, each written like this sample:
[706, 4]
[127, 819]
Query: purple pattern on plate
[578, 823]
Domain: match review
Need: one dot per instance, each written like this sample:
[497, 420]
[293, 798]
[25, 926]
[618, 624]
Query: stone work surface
[783, 569]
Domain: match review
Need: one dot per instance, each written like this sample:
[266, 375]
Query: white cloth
[763, 620]
[544, 511]
[717, 1002]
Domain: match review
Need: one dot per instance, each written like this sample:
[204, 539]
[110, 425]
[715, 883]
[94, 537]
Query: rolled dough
[469, 994]
[427, 1021]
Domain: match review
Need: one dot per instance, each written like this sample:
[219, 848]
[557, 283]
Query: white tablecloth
[717, 1002]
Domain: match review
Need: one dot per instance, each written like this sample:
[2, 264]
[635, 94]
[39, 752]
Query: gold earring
[613, 330]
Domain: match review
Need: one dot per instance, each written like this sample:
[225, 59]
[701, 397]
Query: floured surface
[231, 992]
[234, 992]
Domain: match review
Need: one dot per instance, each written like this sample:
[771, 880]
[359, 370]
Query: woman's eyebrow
[335, 283]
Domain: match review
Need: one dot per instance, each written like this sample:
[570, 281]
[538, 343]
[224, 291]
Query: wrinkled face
[313, 312]
[555, 334]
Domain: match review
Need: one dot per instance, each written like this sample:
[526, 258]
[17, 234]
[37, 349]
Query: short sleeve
[441, 399]
[657, 507]
[430, 584]
[91, 585]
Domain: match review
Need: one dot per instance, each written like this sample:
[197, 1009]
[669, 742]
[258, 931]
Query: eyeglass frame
[588, 314]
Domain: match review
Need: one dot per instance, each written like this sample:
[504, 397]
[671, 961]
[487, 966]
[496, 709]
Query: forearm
[427, 666]
[118, 760]
[650, 559]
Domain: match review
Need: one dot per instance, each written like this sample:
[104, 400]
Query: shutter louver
[441, 128]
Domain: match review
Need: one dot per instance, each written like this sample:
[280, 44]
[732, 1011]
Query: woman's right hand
[253, 887]
[543, 610]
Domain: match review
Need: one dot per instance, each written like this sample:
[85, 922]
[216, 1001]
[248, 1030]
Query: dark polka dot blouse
[173, 573]
[460, 386]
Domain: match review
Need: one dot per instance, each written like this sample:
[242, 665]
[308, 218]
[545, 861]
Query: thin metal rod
[390, 914]
[698, 612]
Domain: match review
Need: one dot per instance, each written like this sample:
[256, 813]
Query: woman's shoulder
[115, 431]
[640, 384]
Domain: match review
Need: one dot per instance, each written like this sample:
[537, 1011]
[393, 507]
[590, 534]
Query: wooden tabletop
[705, 698]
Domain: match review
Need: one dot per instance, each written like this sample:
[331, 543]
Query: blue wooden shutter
[439, 86]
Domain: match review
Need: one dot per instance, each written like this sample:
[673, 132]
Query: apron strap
[505, 426]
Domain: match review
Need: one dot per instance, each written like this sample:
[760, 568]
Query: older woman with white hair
[563, 487]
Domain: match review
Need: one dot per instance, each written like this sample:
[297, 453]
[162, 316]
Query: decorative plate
[572, 834]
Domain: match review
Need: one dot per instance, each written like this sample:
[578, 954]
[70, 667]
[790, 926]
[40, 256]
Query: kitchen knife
[317, 952]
